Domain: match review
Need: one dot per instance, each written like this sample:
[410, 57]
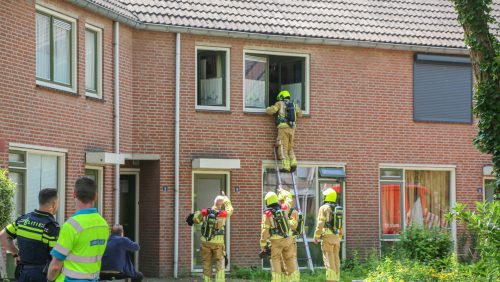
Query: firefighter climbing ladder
[297, 205]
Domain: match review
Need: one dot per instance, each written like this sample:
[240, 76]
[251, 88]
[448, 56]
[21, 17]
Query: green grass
[258, 274]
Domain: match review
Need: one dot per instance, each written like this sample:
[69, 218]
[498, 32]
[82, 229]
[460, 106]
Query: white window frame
[423, 167]
[316, 165]
[98, 32]
[228, 221]
[61, 173]
[74, 68]
[226, 108]
[100, 185]
[279, 53]
[485, 178]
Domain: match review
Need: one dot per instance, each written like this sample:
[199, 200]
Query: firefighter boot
[285, 165]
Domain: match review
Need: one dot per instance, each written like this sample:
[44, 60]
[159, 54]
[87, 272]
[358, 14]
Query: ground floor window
[413, 197]
[311, 181]
[207, 186]
[489, 189]
[31, 171]
[96, 174]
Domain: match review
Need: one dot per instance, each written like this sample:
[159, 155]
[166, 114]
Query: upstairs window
[93, 61]
[442, 89]
[212, 78]
[55, 50]
[266, 74]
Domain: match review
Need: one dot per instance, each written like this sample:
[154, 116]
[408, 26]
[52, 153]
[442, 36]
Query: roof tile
[416, 22]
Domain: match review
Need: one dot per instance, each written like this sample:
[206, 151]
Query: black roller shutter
[442, 89]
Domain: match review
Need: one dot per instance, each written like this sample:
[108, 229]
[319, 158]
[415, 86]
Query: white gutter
[257, 36]
[116, 70]
[177, 146]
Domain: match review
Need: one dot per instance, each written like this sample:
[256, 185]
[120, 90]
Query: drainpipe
[116, 45]
[177, 145]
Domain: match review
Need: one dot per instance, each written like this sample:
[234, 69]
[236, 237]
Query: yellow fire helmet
[271, 198]
[284, 94]
[329, 195]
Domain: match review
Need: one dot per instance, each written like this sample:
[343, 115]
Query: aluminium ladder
[297, 205]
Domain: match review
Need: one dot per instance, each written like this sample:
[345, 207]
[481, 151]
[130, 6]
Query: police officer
[329, 229]
[36, 234]
[212, 246]
[276, 231]
[286, 117]
[82, 241]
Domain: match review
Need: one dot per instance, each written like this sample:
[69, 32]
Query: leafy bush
[423, 245]
[7, 188]
[412, 270]
[485, 222]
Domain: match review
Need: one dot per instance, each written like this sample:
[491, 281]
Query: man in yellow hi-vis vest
[213, 222]
[286, 118]
[82, 240]
[275, 229]
[329, 229]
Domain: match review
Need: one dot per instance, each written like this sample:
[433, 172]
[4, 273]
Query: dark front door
[128, 204]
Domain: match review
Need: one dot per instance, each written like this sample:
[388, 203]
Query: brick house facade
[361, 119]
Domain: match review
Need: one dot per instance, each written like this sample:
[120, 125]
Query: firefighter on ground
[36, 233]
[294, 218]
[329, 229]
[286, 117]
[83, 238]
[276, 231]
[213, 221]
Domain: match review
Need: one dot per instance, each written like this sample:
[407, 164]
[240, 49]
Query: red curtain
[391, 209]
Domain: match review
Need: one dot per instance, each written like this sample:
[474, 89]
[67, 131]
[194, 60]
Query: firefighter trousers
[285, 143]
[283, 266]
[283, 248]
[330, 246]
[213, 251]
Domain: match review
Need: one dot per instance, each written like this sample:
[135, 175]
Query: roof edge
[259, 36]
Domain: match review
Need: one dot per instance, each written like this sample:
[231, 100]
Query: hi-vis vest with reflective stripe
[81, 245]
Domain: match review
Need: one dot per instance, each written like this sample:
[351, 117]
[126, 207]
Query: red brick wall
[153, 124]
[361, 113]
[39, 116]
[149, 216]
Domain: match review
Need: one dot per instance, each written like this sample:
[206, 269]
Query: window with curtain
[413, 197]
[427, 197]
[391, 209]
[212, 78]
[32, 172]
[255, 82]
[90, 61]
[54, 58]
[268, 74]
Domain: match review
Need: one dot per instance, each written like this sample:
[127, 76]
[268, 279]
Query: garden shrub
[7, 188]
[484, 221]
[412, 270]
[424, 245]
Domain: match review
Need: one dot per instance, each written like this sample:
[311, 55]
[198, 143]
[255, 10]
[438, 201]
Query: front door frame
[136, 172]
[227, 173]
